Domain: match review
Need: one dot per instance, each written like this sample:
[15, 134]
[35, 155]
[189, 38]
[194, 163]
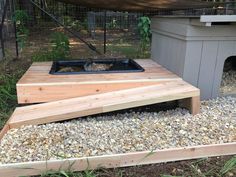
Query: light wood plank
[100, 103]
[39, 73]
[54, 92]
[118, 160]
[4, 130]
[37, 85]
[192, 104]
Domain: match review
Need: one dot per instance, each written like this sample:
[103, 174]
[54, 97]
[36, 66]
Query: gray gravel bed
[228, 84]
[121, 133]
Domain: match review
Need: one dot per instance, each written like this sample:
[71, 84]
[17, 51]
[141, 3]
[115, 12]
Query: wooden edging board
[118, 160]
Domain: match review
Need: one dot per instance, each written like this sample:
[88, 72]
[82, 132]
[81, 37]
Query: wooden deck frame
[118, 160]
[103, 93]
[37, 85]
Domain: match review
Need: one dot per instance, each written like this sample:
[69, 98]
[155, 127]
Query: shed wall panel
[207, 71]
[192, 61]
[165, 49]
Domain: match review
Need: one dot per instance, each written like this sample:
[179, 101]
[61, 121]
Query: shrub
[60, 49]
[61, 45]
[145, 33]
[20, 17]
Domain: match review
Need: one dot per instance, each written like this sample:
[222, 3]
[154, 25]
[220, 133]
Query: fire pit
[95, 66]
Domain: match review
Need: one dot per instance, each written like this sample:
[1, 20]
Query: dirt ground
[190, 168]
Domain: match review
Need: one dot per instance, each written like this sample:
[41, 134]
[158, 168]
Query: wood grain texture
[118, 160]
[37, 85]
[192, 104]
[4, 130]
[100, 103]
[47, 93]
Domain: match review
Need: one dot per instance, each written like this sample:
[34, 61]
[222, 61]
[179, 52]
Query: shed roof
[140, 5]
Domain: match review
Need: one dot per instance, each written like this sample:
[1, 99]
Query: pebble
[228, 83]
[122, 133]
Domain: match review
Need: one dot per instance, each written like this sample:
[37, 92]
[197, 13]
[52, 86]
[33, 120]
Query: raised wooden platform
[37, 85]
[95, 93]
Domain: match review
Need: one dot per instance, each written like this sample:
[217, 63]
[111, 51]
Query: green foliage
[229, 165]
[60, 49]
[62, 173]
[145, 33]
[67, 20]
[113, 24]
[85, 24]
[44, 55]
[127, 49]
[20, 17]
[75, 24]
[8, 98]
[61, 44]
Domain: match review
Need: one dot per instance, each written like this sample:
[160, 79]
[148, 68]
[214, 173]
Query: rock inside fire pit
[97, 67]
[70, 69]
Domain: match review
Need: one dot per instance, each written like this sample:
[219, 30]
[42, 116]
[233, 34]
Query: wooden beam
[101, 103]
[192, 104]
[4, 130]
[53, 92]
[37, 85]
[118, 160]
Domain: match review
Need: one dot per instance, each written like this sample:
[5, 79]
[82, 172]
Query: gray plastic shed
[195, 48]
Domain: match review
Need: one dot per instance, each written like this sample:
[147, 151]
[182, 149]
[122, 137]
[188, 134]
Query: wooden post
[192, 104]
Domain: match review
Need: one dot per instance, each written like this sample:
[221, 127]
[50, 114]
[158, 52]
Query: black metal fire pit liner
[119, 66]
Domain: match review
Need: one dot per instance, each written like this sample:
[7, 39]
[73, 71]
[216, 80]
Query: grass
[229, 166]
[128, 50]
[62, 173]
[8, 98]
[68, 173]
